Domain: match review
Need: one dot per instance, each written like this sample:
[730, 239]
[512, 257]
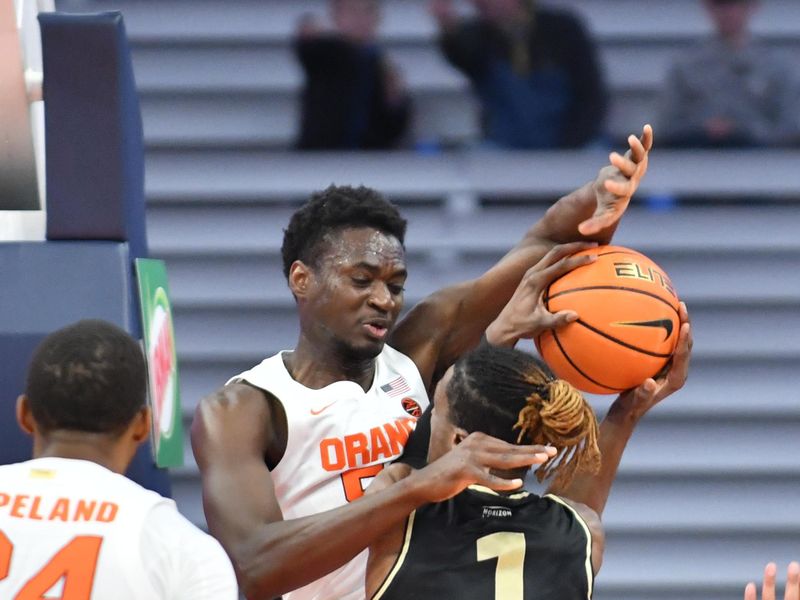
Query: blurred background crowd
[535, 73]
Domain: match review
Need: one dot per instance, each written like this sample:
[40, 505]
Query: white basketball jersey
[339, 438]
[75, 530]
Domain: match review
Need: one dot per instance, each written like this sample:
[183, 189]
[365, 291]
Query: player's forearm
[559, 225]
[593, 490]
[285, 555]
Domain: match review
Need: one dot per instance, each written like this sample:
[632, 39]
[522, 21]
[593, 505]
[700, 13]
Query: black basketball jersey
[481, 545]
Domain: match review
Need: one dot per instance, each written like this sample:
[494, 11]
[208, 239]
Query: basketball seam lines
[612, 287]
[620, 342]
[578, 369]
[621, 252]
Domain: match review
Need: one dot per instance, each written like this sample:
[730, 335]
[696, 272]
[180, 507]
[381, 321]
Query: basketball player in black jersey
[482, 544]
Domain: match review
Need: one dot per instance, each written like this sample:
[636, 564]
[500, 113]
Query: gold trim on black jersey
[579, 518]
[485, 490]
[400, 558]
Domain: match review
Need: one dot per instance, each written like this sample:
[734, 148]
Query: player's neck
[316, 367]
[512, 474]
[94, 447]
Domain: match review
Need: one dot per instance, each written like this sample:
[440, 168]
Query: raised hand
[617, 182]
[768, 587]
[525, 316]
[472, 461]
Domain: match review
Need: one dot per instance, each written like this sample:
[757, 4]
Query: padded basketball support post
[93, 125]
[47, 286]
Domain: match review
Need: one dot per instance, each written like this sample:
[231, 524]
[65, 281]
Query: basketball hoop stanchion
[33, 85]
[96, 206]
[19, 187]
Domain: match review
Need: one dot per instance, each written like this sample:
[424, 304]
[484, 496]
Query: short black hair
[89, 376]
[337, 207]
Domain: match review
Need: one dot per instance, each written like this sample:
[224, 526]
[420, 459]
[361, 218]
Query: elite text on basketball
[633, 270]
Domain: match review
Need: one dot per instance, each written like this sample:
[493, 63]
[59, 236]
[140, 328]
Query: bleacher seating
[198, 54]
[709, 487]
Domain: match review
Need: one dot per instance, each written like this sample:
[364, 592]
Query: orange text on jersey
[36, 508]
[362, 448]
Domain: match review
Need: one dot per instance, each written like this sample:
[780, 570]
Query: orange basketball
[627, 325]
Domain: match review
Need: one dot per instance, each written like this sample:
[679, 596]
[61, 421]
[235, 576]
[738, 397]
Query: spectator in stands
[730, 91]
[534, 69]
[792, 591]
[354, 98]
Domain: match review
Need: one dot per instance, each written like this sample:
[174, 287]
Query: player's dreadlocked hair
[513, 396]
[337, 207]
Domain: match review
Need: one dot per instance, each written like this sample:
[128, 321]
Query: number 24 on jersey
[74, 563]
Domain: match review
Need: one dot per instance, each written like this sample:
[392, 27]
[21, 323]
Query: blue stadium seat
[51, 285]
[95, 188]
[95, 153]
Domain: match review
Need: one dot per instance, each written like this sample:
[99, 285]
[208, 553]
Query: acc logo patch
[412, 407]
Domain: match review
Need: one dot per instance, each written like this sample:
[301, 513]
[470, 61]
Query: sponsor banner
[162, 362]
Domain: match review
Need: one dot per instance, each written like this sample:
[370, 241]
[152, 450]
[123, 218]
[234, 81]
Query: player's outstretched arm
[622, 418]
[449, 322]
[768, 587]
[271, 556]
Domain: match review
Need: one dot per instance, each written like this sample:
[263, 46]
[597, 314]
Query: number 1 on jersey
[75, 563]
[509, 549]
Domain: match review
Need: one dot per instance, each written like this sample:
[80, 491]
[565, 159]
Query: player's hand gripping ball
[628, 322]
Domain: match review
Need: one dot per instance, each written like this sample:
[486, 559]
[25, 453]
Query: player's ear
[24, 415]
[299, 278]
[140, 426]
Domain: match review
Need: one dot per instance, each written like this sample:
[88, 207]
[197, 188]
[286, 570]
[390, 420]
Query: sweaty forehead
[363, 245]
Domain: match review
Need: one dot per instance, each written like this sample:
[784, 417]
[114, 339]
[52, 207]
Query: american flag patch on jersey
[396, 387]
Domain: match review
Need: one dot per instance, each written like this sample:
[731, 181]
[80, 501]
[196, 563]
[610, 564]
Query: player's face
[443, 432]
[357, 291]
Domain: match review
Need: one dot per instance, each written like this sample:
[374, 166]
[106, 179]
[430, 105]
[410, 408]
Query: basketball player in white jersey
[285, 447]
[71, 526]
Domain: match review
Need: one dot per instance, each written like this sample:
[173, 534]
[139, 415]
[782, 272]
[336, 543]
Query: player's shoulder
[268, 368]
[86, 475]
[246, 392]
[394, 356]
[183, 558]
[401, 364]
[121, 485]
[168, 534]
[170, 528]
[586, 514]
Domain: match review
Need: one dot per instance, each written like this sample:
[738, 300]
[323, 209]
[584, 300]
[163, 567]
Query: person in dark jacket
[534, 69]
[353, 97]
